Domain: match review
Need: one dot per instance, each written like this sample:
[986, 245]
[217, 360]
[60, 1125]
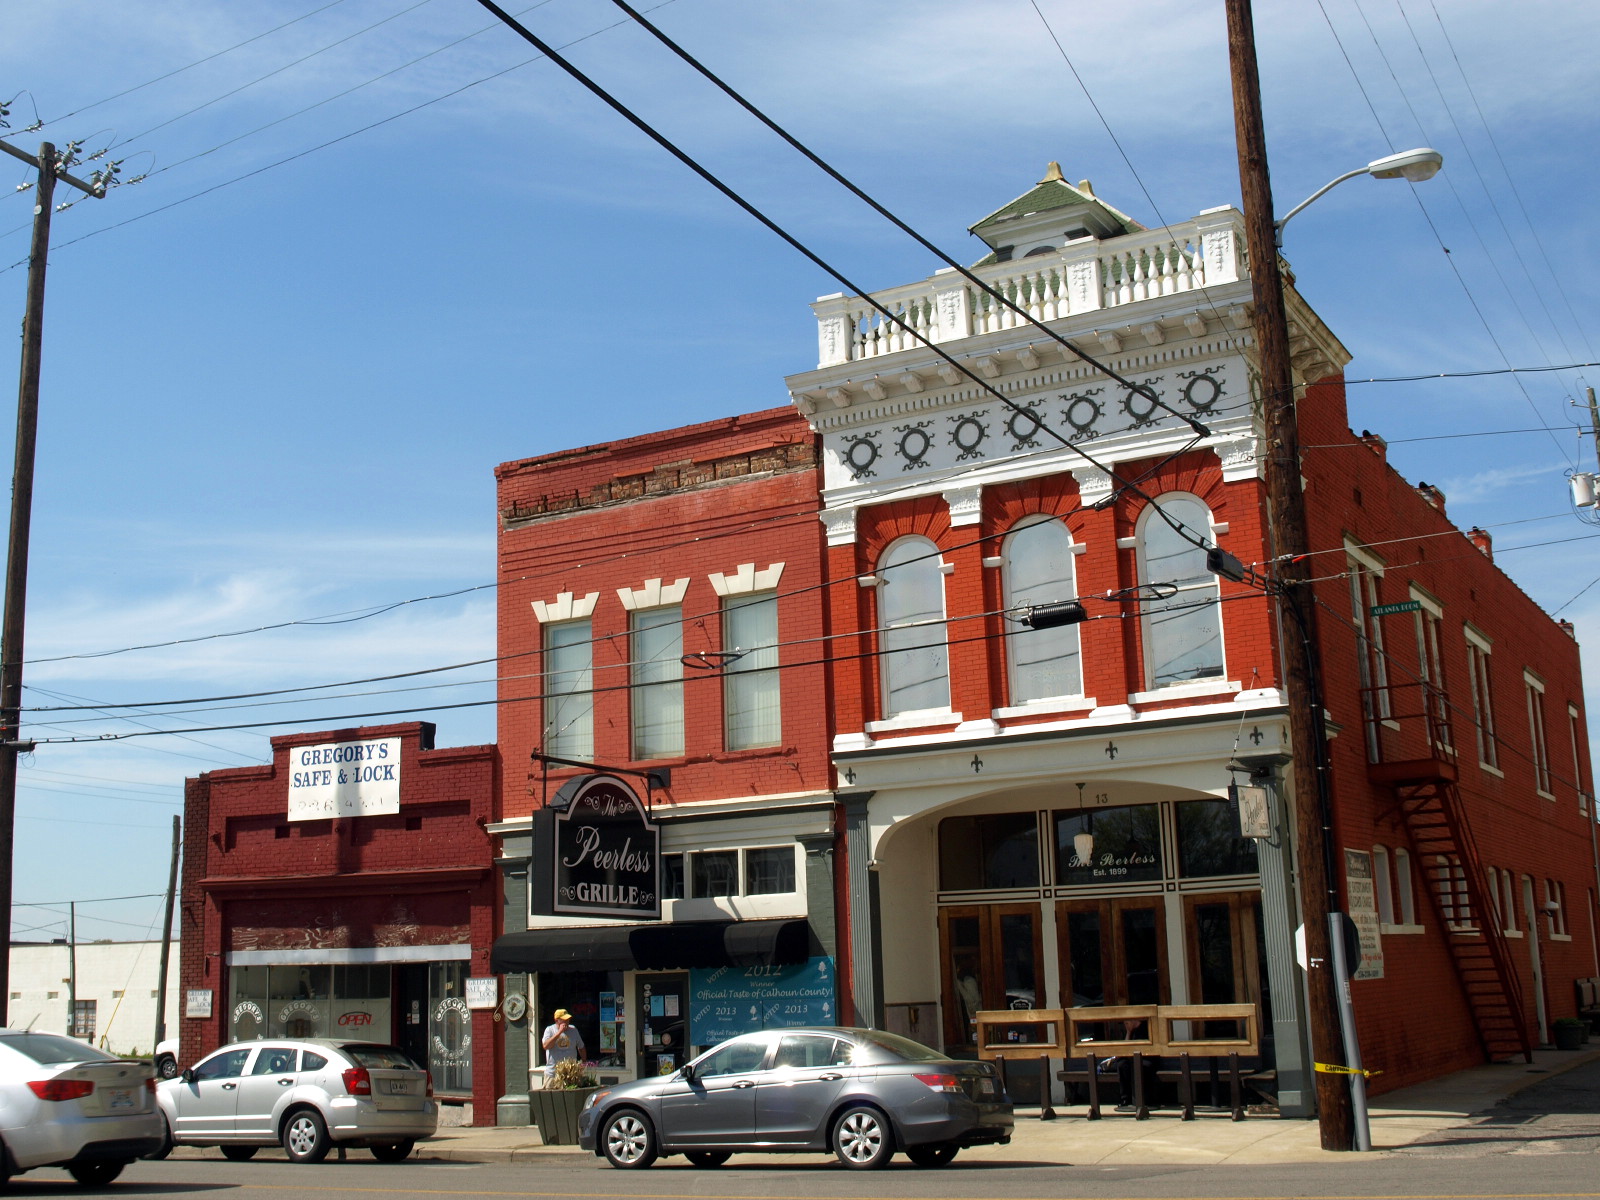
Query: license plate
[986, 1087]
[119, 1098]
[396, 1087]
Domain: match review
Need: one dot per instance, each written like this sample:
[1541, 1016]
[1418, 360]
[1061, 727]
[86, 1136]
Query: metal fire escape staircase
[1412, 752]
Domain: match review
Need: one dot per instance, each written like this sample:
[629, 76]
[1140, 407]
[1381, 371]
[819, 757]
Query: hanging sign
[344, 779]
[607, 852]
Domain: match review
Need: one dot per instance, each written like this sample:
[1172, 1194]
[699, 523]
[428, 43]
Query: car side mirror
[686, 1072]
[188, 1075]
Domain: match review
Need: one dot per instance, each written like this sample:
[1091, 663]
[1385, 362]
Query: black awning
[664, 947]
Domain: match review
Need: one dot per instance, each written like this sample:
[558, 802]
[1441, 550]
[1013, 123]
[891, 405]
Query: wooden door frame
[1246, 964]
[991, 978]
[1113, 959]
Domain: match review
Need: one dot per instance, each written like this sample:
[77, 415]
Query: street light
[1414, 166]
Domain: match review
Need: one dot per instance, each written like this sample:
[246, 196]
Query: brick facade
[255, 881]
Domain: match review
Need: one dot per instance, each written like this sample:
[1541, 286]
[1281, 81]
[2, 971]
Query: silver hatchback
[860, 1093]
[305, 1095]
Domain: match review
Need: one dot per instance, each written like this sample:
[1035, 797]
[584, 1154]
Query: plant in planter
[1569, 1032]
[555, 1107]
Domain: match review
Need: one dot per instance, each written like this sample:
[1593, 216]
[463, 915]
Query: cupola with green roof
[1048, 217]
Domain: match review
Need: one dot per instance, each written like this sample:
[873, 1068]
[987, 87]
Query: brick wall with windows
[1506, 675]
[669, 547]
[253, 880]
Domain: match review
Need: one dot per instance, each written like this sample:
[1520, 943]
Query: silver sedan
[859, 1093]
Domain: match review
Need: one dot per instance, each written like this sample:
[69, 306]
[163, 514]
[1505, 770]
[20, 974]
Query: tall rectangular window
[752, 714]
[1430, 666]
[1538, 744]
[569, 690]
[1365, 572]
[1555, 903]
[1482, 698]
[1575, 733]
[655, 677]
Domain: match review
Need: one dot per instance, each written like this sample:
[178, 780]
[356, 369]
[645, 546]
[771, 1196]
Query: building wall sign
[1363, 901]
[607, 852]
[727, 1001]
[344, 779]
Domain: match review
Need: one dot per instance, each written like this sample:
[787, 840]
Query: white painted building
[115, 991]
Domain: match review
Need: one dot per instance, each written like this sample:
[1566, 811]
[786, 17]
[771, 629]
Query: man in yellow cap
[561, 1041]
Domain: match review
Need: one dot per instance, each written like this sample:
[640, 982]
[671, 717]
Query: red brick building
[660, 614]
[1041, 816]
[317, 908]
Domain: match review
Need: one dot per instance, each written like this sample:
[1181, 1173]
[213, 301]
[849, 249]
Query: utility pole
[1297, 621]
[72, 968]
[50, 168]
[166, 939]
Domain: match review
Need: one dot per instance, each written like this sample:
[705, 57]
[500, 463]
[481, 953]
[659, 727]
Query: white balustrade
[1078, 278]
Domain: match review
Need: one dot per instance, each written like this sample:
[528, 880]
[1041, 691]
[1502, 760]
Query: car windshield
[380, 1058]
[875, 1046]
[50, 1048]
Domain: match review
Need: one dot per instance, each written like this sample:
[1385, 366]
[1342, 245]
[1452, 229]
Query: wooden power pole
[1297, 623]
[50, 169]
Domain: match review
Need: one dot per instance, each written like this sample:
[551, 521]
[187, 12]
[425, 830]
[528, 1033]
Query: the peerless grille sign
[607, 853]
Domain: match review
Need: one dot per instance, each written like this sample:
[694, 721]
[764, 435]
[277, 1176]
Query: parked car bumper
[352, 1119]
[54, 1142]
[943, 1118]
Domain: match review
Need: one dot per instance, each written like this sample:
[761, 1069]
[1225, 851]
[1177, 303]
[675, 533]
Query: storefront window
[997, 850]
[716, 873]
[297, 1001]
[449, 1028]
[247, 1016]
[1108, 845]
[769, 871]
[1209, 841]
[599, 1013]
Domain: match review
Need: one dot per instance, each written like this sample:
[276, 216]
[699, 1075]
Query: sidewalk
[1396, 1118]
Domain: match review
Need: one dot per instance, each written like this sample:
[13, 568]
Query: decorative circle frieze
[968, 434]
[914, 444]
[860, 454]
[1082, 412]
[1022, 425]
[1139, 406]
[1202, 393]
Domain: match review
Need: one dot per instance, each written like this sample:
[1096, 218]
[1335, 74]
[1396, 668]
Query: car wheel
[239, 1153]
[167, 1067]
[708, 1158]
[393, 1151]
[628, 1140]
[862, 1139]
[939, 1154]
[305, 1136]
[165, 1148]
[96, 1174]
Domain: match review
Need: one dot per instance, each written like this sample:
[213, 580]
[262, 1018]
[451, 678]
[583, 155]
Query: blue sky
[276, 391]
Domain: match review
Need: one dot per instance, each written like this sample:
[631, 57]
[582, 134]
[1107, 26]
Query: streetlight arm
[1277, 227]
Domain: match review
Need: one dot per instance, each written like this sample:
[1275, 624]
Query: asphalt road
[1538, 1145]
[1467, 1176]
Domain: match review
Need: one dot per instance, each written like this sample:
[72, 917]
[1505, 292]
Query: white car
[65, 1104]
[166, 1058]
[305, 1095]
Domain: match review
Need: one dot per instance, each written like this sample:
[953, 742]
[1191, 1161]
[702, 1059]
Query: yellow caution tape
[1335, 1069]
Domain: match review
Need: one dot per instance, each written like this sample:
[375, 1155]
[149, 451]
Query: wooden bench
[1588, 998]
[1163, 1043]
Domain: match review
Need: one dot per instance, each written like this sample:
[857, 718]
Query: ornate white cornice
[966, 505]
[565, 608]
[653, 594]
[746, 579]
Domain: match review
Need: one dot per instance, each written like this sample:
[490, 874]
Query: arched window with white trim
[1039, 569]
[1183, 628]
[916, 656]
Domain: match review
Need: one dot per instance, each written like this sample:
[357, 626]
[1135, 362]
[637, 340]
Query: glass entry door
[991, 957]
[1226, 955]
[1113, 951]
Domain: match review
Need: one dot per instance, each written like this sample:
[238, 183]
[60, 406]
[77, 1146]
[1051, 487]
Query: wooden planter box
[555, 1112]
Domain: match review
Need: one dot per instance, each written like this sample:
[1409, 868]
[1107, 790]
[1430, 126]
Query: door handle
[745, 1083]
[285, 1082]
[228, 1087]
[831, 1076]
